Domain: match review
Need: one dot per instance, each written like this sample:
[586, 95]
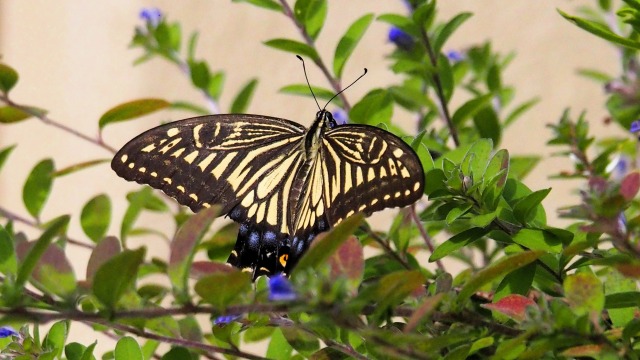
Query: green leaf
[536, 239]
[79, 166]
[183, 249]
[223, 288]
[488, 125]
[184, 105]
[131, 110]
[477, 158]
[200, 74]
[55, 339]
[278, 348]
[8, 78]
[584, 292]
[95, 217]
[138, 201]
[177, 353]
[116, 276]
[4, 154]
[300, 340]
[241, 102]
[457, 242]
[267, 4]
[311, 14]
[294, 47]
[11, 115]
[37, 188]
[496, 270]
[519, 110]
[525, 209]
[470, 108]
[323, 247]
[8, 260]
[348, 43]
[56, 227]
[374, 108]
[616, 284]
[448, 29]
[127, 348]
[516, 282]
[216, 84]
[601, 31]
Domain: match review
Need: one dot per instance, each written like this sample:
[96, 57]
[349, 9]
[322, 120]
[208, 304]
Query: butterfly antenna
[307, 78]
[343, 90]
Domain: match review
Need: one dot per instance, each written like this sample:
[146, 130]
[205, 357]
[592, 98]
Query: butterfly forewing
[210, 159]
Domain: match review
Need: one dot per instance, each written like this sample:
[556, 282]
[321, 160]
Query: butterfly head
[325, 118]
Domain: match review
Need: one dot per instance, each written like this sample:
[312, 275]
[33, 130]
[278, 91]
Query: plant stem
[439, 91]
[47, 120]
[15, 217]
[427, 239]
[387, 248]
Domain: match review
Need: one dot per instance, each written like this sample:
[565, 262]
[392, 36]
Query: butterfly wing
[367, 169]
[215, 159]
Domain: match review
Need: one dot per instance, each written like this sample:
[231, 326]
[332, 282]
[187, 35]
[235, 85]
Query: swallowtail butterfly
[282, 183]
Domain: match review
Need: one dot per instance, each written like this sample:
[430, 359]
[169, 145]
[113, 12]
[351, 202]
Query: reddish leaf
[630, 185]
[53, 271]
[104, 250]
[592, 350]
[348, 260]
[183, 248]
[631, 270]
[200, 269]
[514, 306]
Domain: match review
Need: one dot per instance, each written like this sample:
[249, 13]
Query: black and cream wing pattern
[282, 183]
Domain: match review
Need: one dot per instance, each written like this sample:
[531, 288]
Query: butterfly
[283, 183]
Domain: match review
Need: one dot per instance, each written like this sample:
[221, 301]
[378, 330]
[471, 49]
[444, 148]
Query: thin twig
[387, 248]
[335, 83]
[439, 91]
[427, 239]
[17, 218]
[47, 120]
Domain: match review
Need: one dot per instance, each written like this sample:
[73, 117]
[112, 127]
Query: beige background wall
[73, 60]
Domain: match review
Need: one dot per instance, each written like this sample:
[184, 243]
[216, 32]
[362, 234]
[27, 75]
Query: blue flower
[7, 331]
[340, 116]
[635, 126]
[455, 56]
[402, 40]
[280, 289]
[151, 16]
[225, 319]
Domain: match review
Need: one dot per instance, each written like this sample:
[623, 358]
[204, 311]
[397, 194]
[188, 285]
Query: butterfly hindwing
[367, 169]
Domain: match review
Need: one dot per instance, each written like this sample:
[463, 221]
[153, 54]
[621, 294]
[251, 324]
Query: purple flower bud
[151, 16]
[225, 319]
[635, 126]
[340, 116]
[280, 289]
[7, 331]
[402, 40]
[455, 56]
